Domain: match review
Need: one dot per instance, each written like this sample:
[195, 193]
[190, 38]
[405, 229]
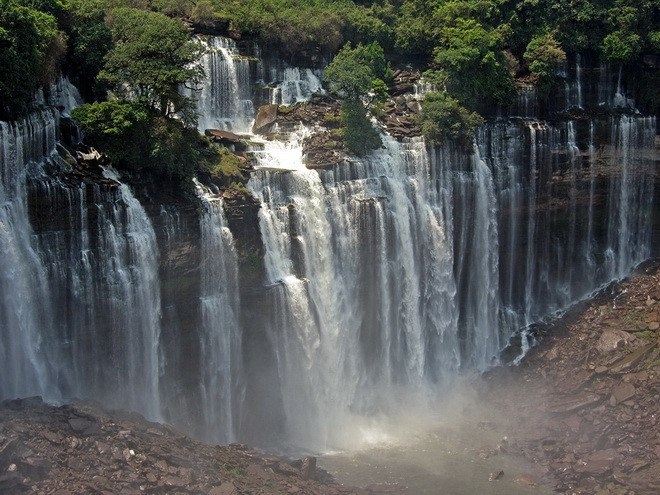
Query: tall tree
[152, 57]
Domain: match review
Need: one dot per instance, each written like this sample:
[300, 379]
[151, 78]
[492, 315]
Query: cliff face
[225, 314]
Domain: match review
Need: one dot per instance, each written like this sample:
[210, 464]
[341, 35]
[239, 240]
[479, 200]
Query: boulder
[597, 463]
[84, 426]
[622, 392]
[612, 339]
[265, 119]
[308, 469]
[223, 137]
[226, 488]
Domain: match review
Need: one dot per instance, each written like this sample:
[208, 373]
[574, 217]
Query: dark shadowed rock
[223, 137]
[265, 119]
[84, 426]
[308, 469]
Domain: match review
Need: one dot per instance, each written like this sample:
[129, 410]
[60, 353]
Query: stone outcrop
[400, 114]
[265, 119]
[325, 146]
[224, 138]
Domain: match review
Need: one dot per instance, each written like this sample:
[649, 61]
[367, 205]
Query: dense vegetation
[356, 73]
[135, 54]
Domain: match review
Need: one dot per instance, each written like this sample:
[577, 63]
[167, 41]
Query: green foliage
[654, 40]
[356, 71]
[471, 65]
[443, 117]
[152, 56]
[414, 28]
[90, 40]
[298, 28]
[116, 128]
[135, 139]
[202, 12]
[543, 54]
[372, 24]
[31, 48]
[226, 166]
[621, 46]
[175, 151]
[359, 135]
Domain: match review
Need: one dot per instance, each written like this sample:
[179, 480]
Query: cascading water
[361, 265]
[26, 357]
[403, 268]
[102, 265]
[224, 100]
[294, 85]
[554, 246]
[386, 276]
[220, 339]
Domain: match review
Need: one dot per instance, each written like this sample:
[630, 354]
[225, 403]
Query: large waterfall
[25, 313]
[385, 277]
[220, 338]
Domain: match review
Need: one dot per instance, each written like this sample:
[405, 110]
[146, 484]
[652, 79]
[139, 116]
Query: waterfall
[361, 269]
[27, 353]
[220, 338]
[477, 263]
[555, 247]
[224, 100]
[400, 269]
[573, 87]
[102, 264]
[386, 276]
[629, 231]
[80, 309]
[294, 85]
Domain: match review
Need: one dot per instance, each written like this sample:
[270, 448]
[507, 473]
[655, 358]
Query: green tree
[354, 72]
[443, 117]
[621, 46]
[470, 64]
[543, 54]
[90, 40]
[360, 137]
[135, 140]
[151, 58]
[117, 128]
[31, 49]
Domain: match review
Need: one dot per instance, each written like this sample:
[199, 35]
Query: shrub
[443, 117]
[543, 54]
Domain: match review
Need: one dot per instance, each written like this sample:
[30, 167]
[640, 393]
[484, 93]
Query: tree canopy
[355, 72]
[31, 48]
[152, 57]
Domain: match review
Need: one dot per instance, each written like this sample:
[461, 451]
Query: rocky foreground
[79, 449]
[585, 403]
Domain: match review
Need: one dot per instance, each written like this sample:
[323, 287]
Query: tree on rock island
[354, 73]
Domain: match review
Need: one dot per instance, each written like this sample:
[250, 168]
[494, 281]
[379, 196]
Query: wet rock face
[585, 402]
[81, 449]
